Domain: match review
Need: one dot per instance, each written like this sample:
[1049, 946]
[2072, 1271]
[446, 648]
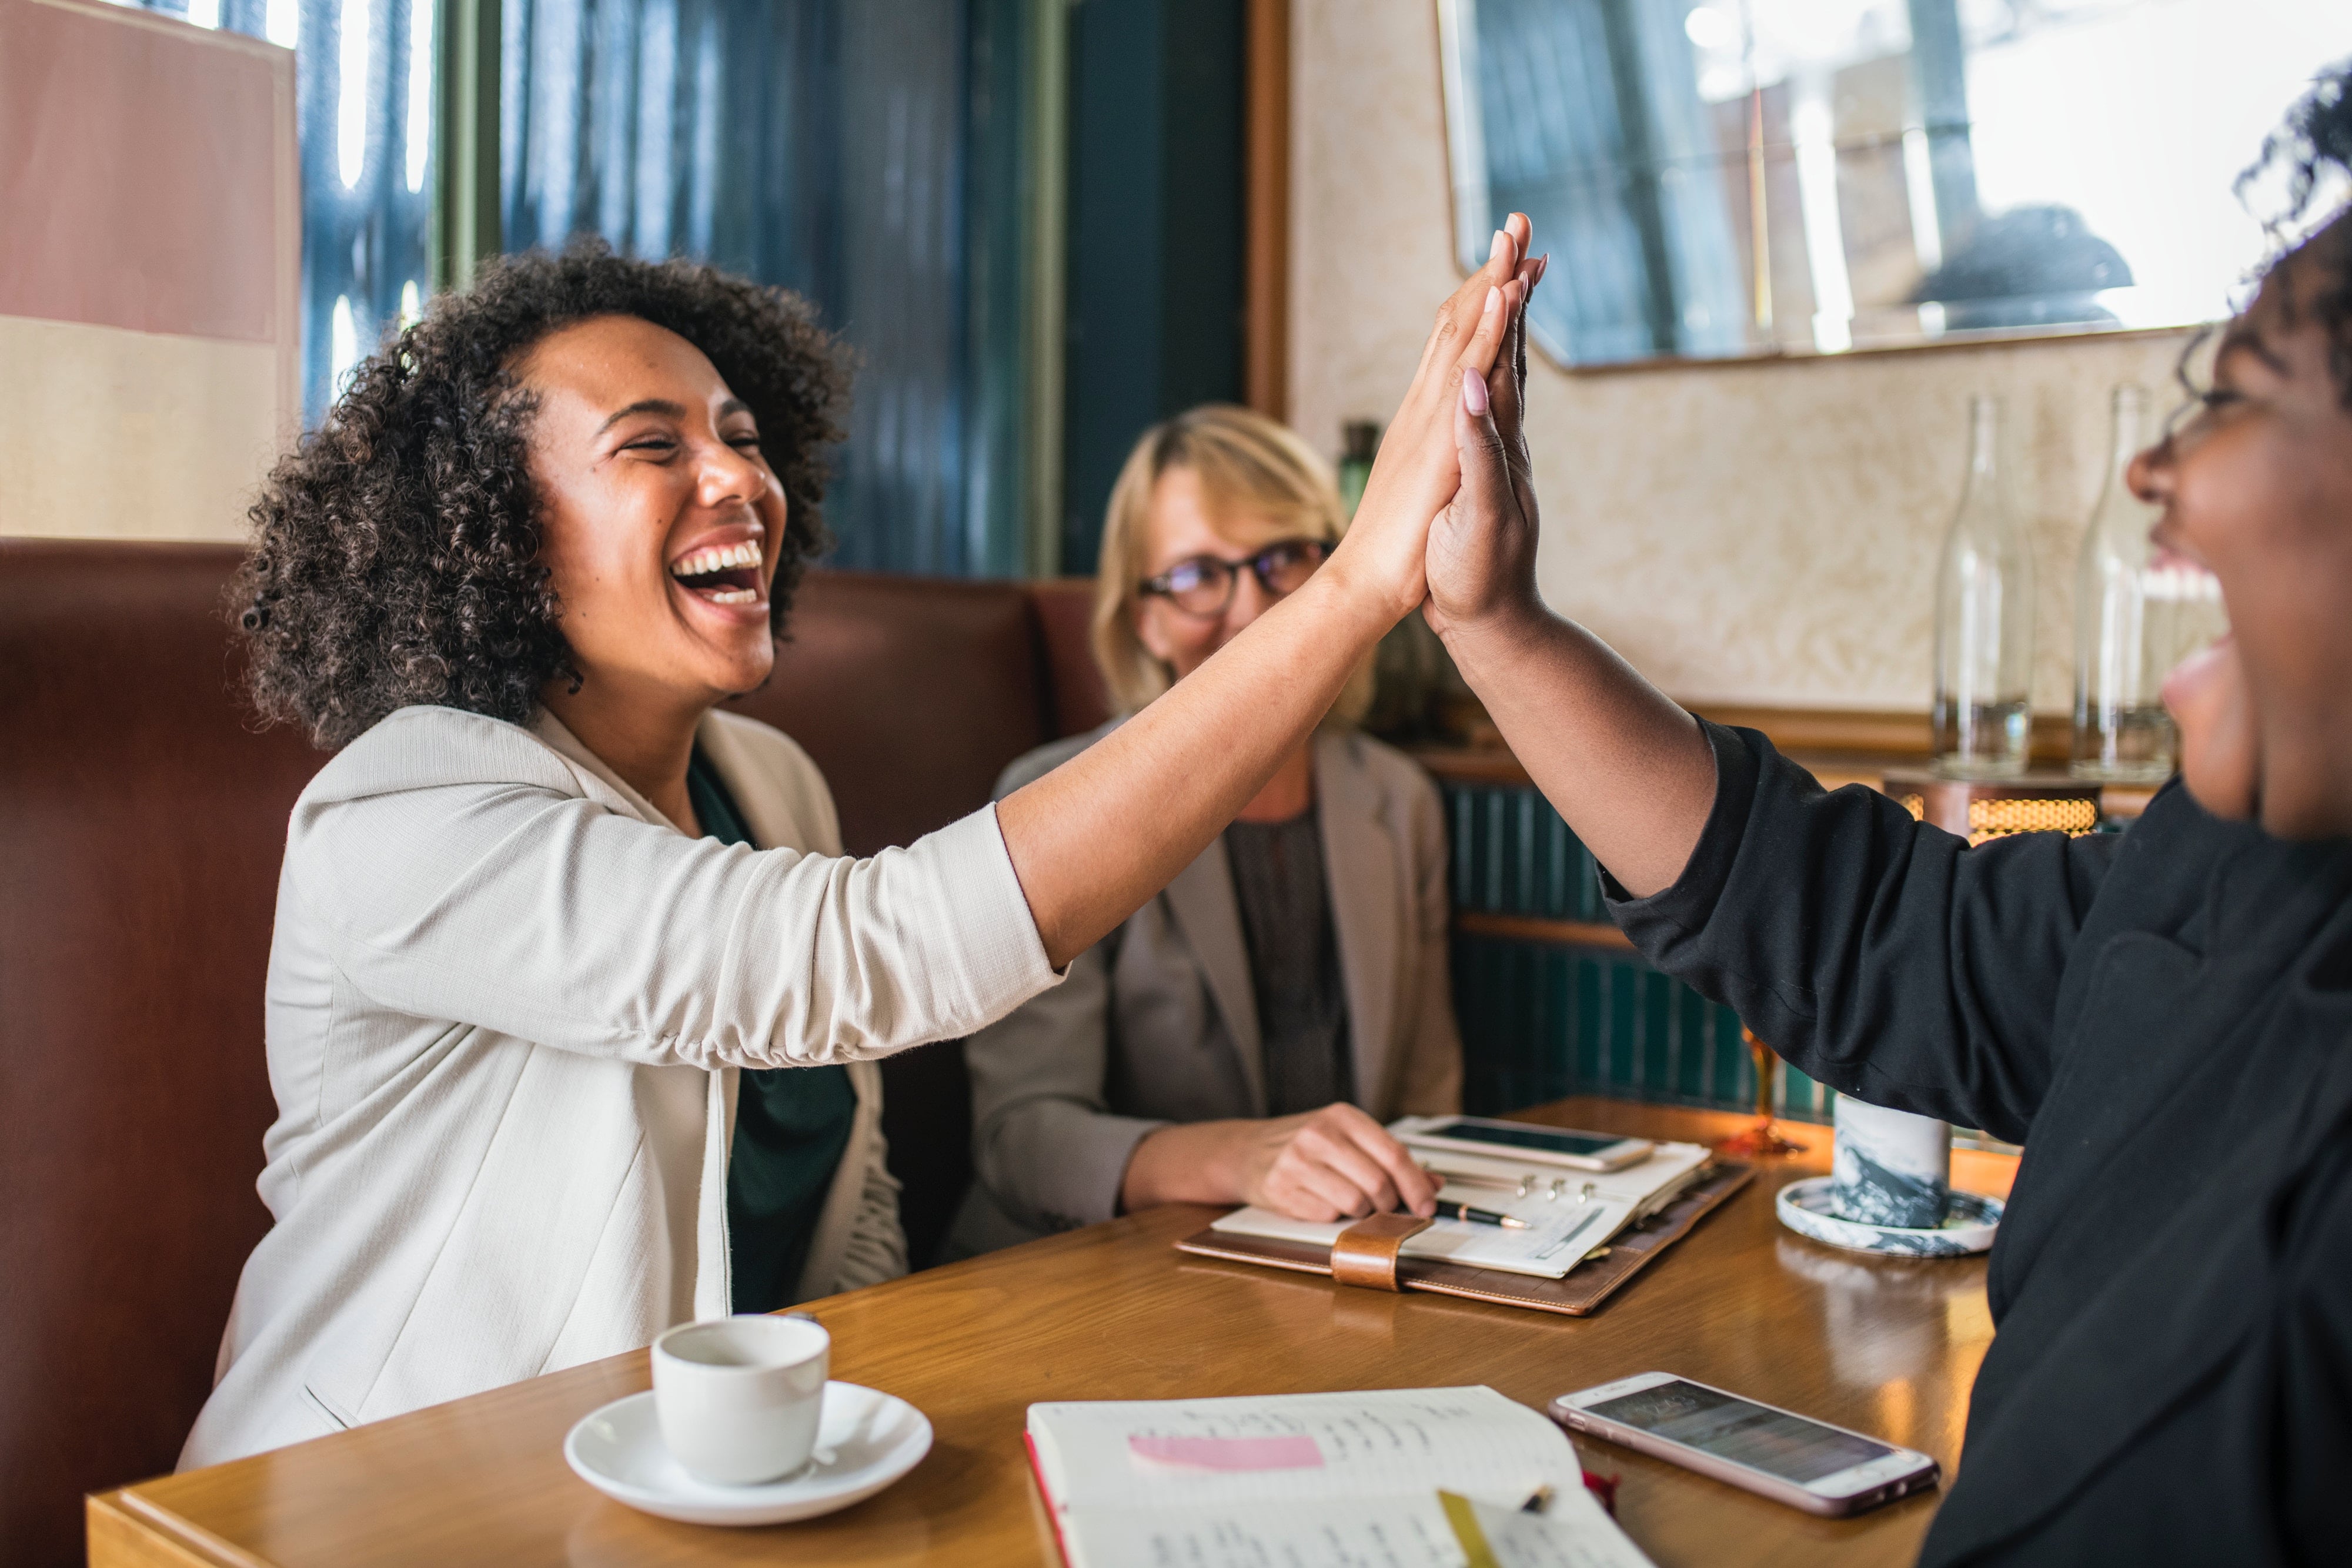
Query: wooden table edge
[124, 1530]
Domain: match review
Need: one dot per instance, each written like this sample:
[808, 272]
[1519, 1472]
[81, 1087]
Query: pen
[1479, 1216]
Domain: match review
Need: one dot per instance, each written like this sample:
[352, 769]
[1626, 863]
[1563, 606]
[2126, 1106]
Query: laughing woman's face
[661, 519]
[2257, 489]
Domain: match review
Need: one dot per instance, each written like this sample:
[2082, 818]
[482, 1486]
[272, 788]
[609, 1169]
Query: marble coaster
[1969, 1222]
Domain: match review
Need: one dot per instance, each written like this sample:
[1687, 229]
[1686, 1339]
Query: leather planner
[1367, 1256]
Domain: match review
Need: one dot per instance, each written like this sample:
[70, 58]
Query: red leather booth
[142, 818]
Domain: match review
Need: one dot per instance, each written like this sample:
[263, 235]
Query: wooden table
[1886, 1345]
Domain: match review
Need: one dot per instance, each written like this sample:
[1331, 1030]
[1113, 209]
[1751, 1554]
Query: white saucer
[866, 1440]
[1969, 1226]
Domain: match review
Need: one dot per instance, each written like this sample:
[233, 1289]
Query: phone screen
[1769, 1440]
[1545, 1138]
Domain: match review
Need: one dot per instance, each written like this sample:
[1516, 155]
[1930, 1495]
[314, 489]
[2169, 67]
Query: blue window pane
[824, 145]
[362, 84]
[367, 177]
[819, 144]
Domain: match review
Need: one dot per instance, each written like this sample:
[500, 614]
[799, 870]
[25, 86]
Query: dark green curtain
[852, 153]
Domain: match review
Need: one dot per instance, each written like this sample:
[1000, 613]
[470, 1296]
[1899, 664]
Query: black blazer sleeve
[1885, 958]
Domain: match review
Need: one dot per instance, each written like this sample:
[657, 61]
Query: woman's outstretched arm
[1884, 959]
[1628, 769]
[1099, 835]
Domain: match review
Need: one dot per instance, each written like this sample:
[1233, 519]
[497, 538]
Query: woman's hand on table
[1418, 469]
[1334, 1164]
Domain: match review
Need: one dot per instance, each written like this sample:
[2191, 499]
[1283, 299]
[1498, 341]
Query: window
[1726, 178]
[827, 145]
[873, 157]
[364, 121]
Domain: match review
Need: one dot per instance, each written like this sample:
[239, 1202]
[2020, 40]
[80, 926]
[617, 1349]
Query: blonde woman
[1241, 1038]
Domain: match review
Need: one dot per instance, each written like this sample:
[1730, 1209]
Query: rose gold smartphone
[1772, 1452]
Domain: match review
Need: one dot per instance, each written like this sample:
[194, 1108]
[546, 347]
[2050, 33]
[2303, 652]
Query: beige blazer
[505, 1005]
[1158, 1023]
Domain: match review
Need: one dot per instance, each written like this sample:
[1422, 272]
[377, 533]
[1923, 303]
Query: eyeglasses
[1204, 584]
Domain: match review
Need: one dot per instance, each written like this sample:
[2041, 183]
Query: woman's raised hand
[1419, 465]
[1099, 835]
[1482, 547]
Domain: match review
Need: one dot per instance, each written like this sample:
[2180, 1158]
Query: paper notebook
[1307, 1479]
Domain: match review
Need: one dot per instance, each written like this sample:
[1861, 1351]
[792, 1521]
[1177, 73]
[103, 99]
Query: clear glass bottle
[2133, 622]
[1984, 619]
[1359, 443]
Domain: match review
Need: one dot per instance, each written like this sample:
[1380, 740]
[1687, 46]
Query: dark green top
[792, 1124]
[1294, 952]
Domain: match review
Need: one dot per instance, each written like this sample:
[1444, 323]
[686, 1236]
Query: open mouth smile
[721, 574]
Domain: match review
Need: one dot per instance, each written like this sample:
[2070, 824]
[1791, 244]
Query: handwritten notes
[1294, 1452]
[1308, 1480]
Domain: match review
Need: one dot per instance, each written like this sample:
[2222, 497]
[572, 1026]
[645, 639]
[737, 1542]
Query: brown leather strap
[1366, 1252]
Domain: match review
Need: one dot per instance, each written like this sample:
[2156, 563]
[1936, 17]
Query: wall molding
[1839, 745]
[1540, 928]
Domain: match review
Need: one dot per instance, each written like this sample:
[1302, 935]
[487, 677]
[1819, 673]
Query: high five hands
[1479, 337]
[1480, 561]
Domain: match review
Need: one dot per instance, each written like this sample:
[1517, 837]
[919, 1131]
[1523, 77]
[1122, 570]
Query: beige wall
[150, 311]
[108, 433]
[1760, 533]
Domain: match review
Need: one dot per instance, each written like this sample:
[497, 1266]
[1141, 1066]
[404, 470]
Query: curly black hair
[395, 554]
[2315, 140]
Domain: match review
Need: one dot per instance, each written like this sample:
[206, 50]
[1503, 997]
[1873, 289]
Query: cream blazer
[507, 1001]
[1158, 1022]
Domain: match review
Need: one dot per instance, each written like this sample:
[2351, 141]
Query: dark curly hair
[395, 555]
[2315, 140]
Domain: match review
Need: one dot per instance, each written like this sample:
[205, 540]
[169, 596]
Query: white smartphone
[1523, 1141]
[1775, 1453]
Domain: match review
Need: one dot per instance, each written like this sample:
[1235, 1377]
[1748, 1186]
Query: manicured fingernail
[1493, 299]
[1473, 392]
[1543, 265]
[1500, 247]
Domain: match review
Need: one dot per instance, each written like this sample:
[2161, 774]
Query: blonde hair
[1243, 459]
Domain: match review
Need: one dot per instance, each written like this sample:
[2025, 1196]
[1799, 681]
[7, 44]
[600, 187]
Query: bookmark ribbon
[1293, 1453]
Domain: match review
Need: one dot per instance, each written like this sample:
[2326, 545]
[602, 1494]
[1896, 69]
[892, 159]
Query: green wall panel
[1540, 1021]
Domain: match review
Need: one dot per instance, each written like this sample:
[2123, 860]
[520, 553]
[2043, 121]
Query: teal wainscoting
[1550, 1001]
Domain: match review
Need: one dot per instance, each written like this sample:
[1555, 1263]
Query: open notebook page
[1181, 1454]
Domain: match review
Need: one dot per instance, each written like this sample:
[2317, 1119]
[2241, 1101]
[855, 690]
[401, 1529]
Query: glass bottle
[1984, 621]
[1359, 443]
[2133, 622]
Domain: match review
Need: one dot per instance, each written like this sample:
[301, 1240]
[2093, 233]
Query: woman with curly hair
[572, 999]
[2163, 1018]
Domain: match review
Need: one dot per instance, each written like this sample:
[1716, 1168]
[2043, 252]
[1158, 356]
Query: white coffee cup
[738, 1398]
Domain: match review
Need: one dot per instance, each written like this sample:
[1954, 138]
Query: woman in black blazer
[2164, 1019]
